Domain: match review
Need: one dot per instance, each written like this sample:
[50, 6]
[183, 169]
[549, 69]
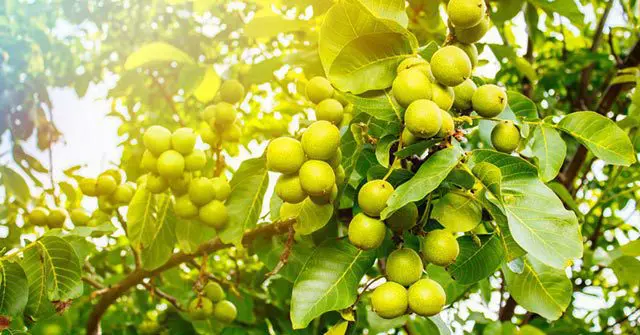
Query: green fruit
[201, 191]
[208, 135]
[450, 66]
[38, 216]
[457, 212]
[214, 292]
[411, 85]
[148, 327]
[80, 217]
[209, 113]
[321, 140]
[183, 140]
[289, 189]
[318, 89]
[373, 196]
[106, 184]
[408, 138]
[366, 232]
[443, 96]
[340, 175]
[156, 184]
[115, 174]
[200, 308]
[489, 100]
[231, 91]
[221, 188]
[184, 208]
[413, 63]
[225, 115]
[88, 187]
[180, 186]
[225, 311]
[214, 214]
[426, 297]
[505, 137]
[157, 139]
[423, 118]
[448, 126]
[336, 160]
[327, 198]
[475, 33]
[285, 155]
[440, 247]
[57, 217]
[170, 164]
[317, 177]
[466, 13]
[195, 161]
[403, 219]
[390, 300]
[463, 94]
[105, 204]
[232, 133]
[471, 50]
[404, 266]
[123, 194]
[149, 162]
[330, 110]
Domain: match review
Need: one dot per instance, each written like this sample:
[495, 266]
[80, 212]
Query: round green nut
[336, 160]
[440, 247]
[184, 208]
[411, 85]
[231, 91]
[195, 161]
[505, 137]
[330, 110]
[214, 214]
[221, 187]
[443, 96]
[80, 217]
[200, 308]
[475, 33]
[88, 187]
[317, 178]
[321, 140]
[450, 66]
[201, 191]
[426, 297]
[373, 196]
[38, 216]
[448, 126]
[404, 218]
[340, 175]
[149, 162]
[208, 135]
[209, 113]
[404, 266]
[390, 300]
[106, 184]
[285, 155]
[318, 89]
[171, 164]
[105, 204]
[57, 217]
[225, 115]
[412, 62]
[225, 311]
[232, 133]
[183, 140]
[466, 13]
[289, 189]
[457, 212]
[463, 94]
[327, 198]
[157, 139]
[489, 100]
[366, 232]
[423, 118]
[123, 194]
[408, 138]
[156, 184]
[471, 50]
[214, 292]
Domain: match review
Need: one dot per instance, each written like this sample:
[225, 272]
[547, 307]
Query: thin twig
[284, 257]
[171, 299]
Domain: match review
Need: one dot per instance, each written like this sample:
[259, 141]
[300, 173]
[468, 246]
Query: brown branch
[92, 282]
[171, 299]
[621, 320]
[284, 257]
[137, 276]
[506, 313]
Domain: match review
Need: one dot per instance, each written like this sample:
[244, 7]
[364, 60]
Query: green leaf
[432, 326]
[244, 204]
[476, 262]
[512, 250]
[550, 150]
[491, 177]
[14, 289]
[522, 106]
[328, 281]
[161, 247]
[453, 289]
[360, 50]
[378, 104]
[540, 289]
[416, 149]
[388, 9]
[383, 148]
[377, 324]
[208, 88]
[427, 179]
[566, 8]
[626, 268]
[270, 250]
[312, 216]
[428, 50]
[565, 196]
[338, 329]
[272, 25]
[191, 233]
[15, 184]
[156, 52]
[141, 221]
[631, 249]
[601, 136]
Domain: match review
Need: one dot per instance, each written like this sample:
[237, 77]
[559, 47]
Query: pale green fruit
[170, 164]
[340, 175]
[209, 113]
[443, 96]
[225, 115]
[184, 208]
[373, 196]
[80, 217]
[330, 110]
[221, 187]
[231, 91]
[489, 100]
[466, 13]
[200, 309]
[156, 184]
[366, 232]
[448, 126]
[440, 247]
[471, 50]
[475, 33]
[57, 217]
[149, 162]
[423, 118]
[463, 94]
[403, 219]
[123, 194]
[208, 135]
[408, 138]
[426, 297]
[214, 292]
[450, 66]
[289, 189]
[146, 327]
[38, 216]
[157, 139]
[318, 89]
[201, 191]
[183, 140]
[195, 161]
[225, 311]
[457, 212]
[321, 140]
[390, 300]
[285, 155]
[317, 177]
[88, 187]
[105, 204]
[115, 174]
[106, 184]
[404, 266]
[180, 186]
[505, 137]
[336, 159]
[411, 85]
[232, 133]
[410, 63]
[327, 198]
[214, 214]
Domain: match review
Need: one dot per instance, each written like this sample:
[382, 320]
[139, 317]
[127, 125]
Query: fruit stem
[396, 160]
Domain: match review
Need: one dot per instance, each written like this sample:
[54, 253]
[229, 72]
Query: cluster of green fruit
[211, 303]
[52, 218]
[219, 120]
[172, 162]
[109, 189]
[328, 108]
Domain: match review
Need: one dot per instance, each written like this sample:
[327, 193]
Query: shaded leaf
[156, 52]
[476, 262]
